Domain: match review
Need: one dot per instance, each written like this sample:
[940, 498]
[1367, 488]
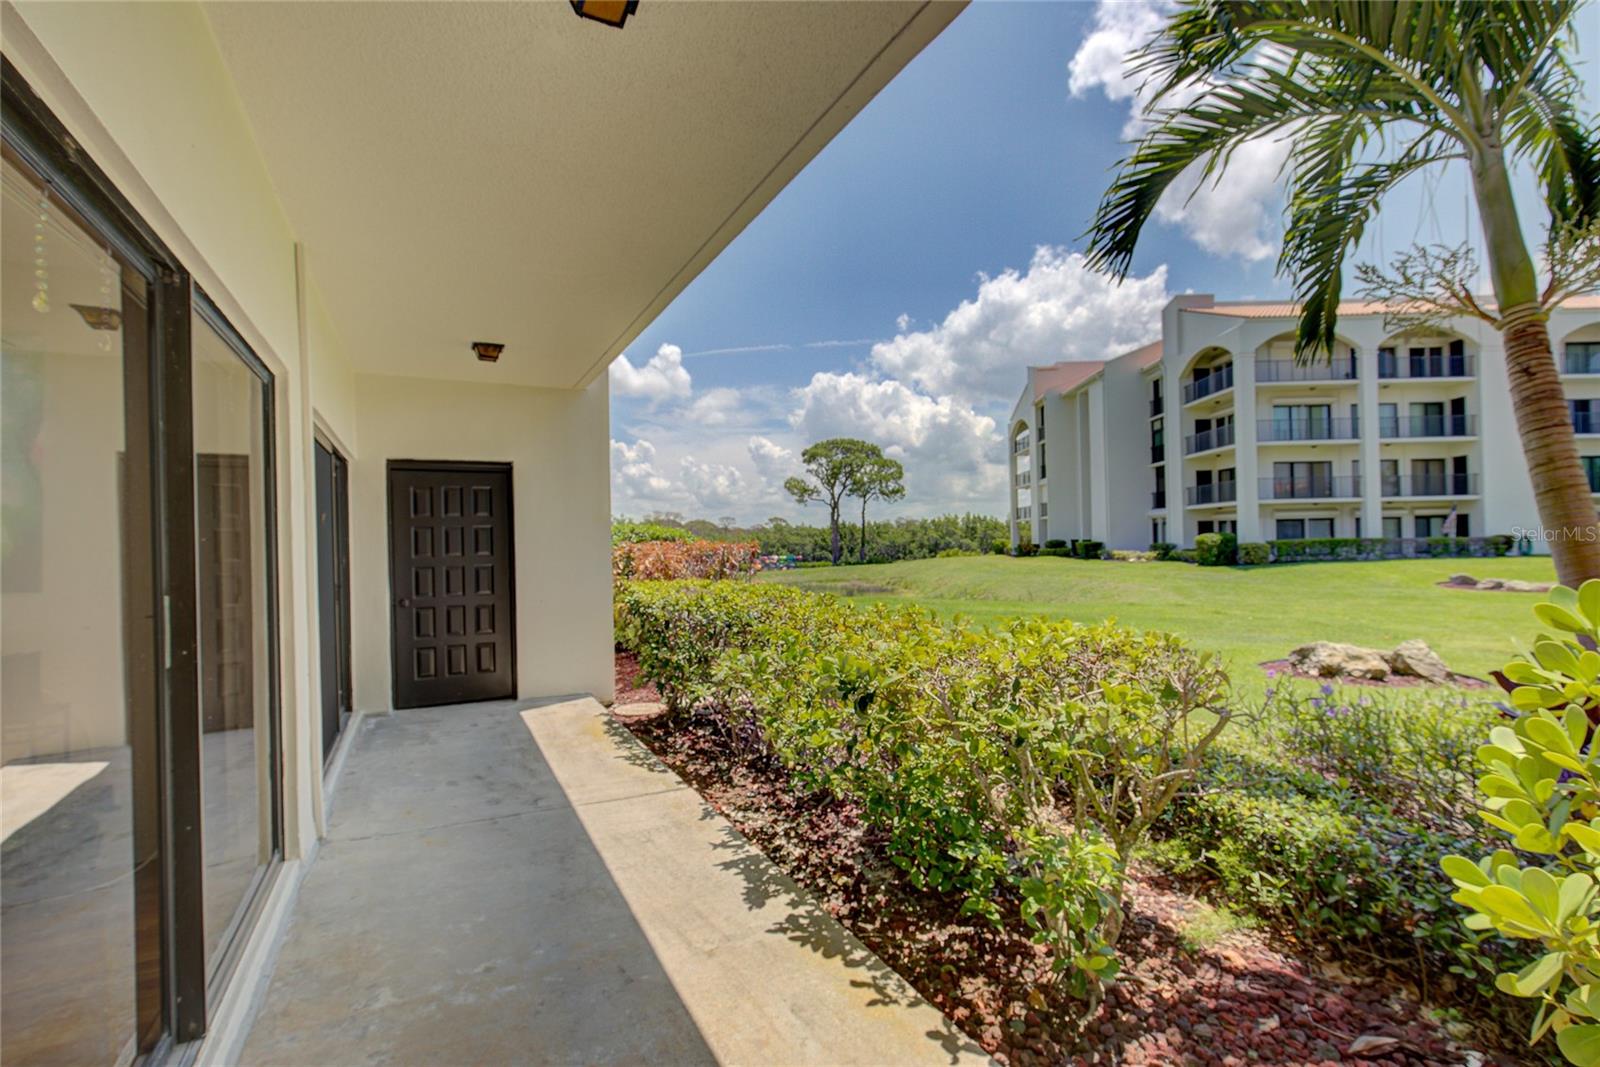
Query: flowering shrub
[1541, 789]
[651, 560]
[958, 744]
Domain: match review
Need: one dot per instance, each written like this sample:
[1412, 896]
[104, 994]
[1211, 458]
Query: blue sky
[994, 143]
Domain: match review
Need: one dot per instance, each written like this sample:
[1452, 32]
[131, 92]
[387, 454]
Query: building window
[1591, 467]
[1291, 529]
[1583, 357]
[1392, 527]
[1584, 414]
[1429, 525]
[1205, 526]
[1038, 422]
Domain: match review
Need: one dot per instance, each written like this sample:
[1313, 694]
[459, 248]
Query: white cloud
[662, 378]
[952, 453]
[1059, 309]
[772, 461]
[633, 472]
[1239, 216]
[715, 407]
[710, 485]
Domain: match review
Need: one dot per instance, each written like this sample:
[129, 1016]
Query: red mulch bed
[630, 688]
[1282, 667]
[1241, 1000]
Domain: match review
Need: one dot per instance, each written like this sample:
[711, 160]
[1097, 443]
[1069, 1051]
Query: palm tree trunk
[1560, 486]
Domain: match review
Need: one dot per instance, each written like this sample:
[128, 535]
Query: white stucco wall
[557, 442]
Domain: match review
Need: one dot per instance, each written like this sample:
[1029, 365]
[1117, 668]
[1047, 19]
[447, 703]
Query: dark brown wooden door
[451, 581]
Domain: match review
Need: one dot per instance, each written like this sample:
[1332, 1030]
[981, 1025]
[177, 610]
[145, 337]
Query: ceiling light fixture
[488, 351]
[610, 12]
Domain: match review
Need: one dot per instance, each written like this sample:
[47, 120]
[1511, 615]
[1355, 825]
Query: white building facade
[1215, 428]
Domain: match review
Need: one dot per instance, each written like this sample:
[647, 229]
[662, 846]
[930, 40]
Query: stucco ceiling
[509, 172]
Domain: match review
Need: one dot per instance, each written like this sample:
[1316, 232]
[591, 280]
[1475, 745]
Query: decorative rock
[1415, 658]
[638, 712]
[1331, 659]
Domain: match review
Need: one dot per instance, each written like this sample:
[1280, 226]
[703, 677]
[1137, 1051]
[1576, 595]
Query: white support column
[1371, 454]
[1247, 488]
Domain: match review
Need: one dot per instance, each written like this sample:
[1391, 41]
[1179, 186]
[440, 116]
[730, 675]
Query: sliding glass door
[80, 839]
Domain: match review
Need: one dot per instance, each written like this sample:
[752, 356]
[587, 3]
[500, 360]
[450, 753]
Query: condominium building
[1216, 428]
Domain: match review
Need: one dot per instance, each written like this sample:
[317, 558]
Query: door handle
[405, 602]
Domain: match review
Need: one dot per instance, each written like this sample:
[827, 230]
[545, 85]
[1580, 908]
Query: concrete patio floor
[524, 883]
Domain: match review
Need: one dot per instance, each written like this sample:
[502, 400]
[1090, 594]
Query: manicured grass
[1250, 615]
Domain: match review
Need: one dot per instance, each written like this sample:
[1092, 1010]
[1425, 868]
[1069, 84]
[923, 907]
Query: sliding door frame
[166, 444]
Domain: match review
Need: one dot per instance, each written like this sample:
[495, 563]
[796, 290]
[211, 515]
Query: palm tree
[1368, 94]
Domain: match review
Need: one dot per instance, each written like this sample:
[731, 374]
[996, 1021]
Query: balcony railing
[1427, 365]
[1213, 383]
[1158, 499]
[1585, 422]
[1430, 485]
[1024, 479]
[1214, 493]
[1428, 426]
[1158, 453]
[1339, 369]
[1306, 429]
[1155, 406]
[1020, 445]
[1205, 440]
[1310, 487]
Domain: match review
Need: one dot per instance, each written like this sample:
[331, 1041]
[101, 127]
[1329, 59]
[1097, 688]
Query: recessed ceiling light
[99, 318]
[488, 351]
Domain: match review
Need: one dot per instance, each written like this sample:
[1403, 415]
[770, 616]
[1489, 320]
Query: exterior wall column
[1371, 454]
[1247, 488]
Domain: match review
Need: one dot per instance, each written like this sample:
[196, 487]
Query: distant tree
[833, 466]
[877, 478]
[727, 522]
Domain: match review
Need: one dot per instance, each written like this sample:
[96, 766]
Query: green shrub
[1185, 555]
[956, 743]
[1027, 548]
[1541, 789]
[1163, 549]
[1086, 549]
[999, 546]
[1254, 554]
[1055, 542]
[1058, 551]
[953, 553]
[626, 531]
[1216, 550]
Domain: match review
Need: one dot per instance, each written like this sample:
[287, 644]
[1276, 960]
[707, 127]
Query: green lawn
[1250, 615]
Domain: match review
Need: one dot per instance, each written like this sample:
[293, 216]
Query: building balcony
[1413, 426]
[1213, 493]
[1442, 485]
[1023, 479]
[1274, 371]
[1158, 453]
[1158, 499]
[1312, 487]
[1210, 385]
[1156, 406]
[1206, 440]
[1019, 446]
[1275, 431]
[1585, 422]
[1392, 366]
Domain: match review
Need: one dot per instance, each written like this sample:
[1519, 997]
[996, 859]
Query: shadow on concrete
[459, 913]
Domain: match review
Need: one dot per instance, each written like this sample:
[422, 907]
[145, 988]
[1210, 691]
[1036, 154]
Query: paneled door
[451, 582]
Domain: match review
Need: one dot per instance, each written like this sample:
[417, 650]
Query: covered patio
[522, 882]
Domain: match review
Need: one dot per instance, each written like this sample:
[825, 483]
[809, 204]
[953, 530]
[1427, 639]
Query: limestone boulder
[1416, 660]
[1332, 659]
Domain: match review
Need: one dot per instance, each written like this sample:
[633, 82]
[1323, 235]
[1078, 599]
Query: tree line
[886, 541]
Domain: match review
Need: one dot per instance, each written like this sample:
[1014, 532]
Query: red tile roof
[1063, 377]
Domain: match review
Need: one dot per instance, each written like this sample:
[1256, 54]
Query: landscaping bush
[1055, 542]
[648, 560]
[1085, 549]
[1058, 551]
[626, 531]
[1184, 555]
[955, 742]
[1307, 549]
[1254, 554]
[1163, 549]
[953, 553]
[1027, 548]
[999, 546]
[1216, 550]
[1541, 789]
